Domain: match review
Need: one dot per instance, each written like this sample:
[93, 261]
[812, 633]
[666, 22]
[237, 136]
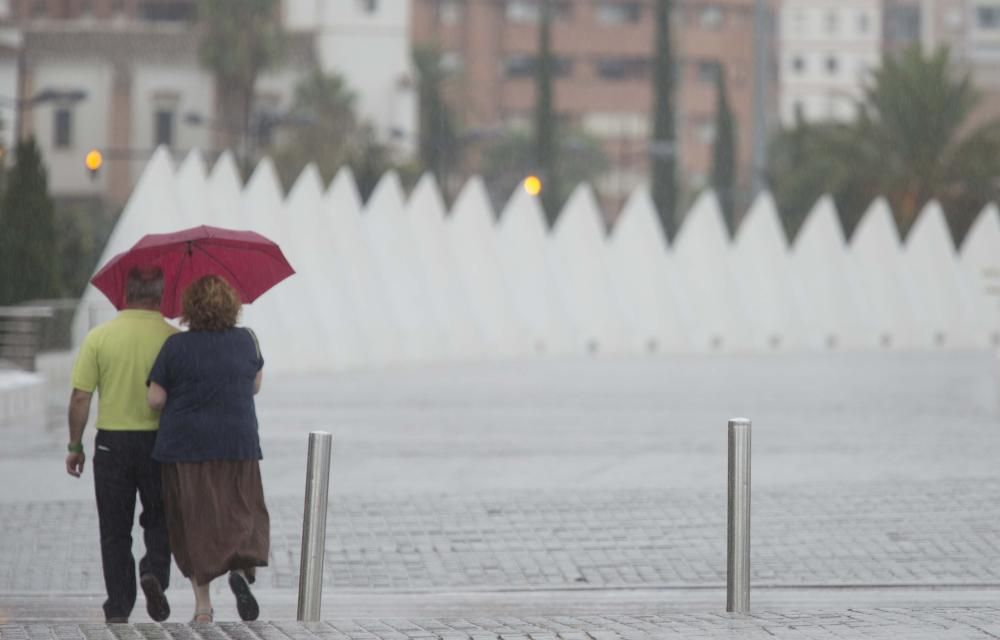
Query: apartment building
[603, 51]
[828, 49]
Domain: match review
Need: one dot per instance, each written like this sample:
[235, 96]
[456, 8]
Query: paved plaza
[582, 499]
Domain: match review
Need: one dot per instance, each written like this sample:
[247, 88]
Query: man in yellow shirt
[115, 360]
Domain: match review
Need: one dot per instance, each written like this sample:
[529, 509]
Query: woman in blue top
[203, 382]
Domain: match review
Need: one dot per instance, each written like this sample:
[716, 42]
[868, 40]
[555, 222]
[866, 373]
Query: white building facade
[368, 43]
[827, 51]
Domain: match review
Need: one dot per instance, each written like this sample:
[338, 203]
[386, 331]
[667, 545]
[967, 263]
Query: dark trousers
[123, 466]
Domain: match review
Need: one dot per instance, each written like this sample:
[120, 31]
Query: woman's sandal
[203, 615]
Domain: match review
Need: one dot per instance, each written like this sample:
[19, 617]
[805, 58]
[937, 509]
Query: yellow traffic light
[533, 185]
[93, 161]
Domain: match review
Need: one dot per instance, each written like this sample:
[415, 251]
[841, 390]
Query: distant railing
[35, 327]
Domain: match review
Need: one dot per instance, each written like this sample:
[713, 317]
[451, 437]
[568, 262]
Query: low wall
[23, 399]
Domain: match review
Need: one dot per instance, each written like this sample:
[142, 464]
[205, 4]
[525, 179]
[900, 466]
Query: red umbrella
[248, 261]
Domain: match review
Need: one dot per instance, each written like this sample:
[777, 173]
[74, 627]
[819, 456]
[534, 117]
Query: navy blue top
[209, 414]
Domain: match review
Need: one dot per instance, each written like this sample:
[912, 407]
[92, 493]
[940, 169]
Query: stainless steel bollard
[738, 543]
[314, 526]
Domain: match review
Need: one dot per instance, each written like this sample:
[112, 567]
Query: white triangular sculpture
[329, 338]
[391, 242]
[193, 201]
[762, 272]
[980, 260]
[884, 284]
[827, 296]
[940, 289]
[365, 291]
[425, 211]
[701, 256]
[277, 317]
[580, 267]
[224, 189]
[152, 208]
[523, 245]
[644, 281]
[472, 235]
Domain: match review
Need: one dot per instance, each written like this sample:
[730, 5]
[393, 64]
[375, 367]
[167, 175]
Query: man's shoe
[246, 604]
[156, 601]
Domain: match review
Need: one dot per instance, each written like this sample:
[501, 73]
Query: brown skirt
[216, 517]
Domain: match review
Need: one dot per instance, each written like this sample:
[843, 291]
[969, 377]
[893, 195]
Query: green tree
[439, 147]
[240, 39]
[29, 261]
[546, 134]
[662, 158]
[913, 141]
[505, 157]
[724, 153]
[369, 161]
[321, 128]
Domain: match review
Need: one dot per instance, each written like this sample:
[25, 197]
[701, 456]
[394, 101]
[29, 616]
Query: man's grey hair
[144, 285]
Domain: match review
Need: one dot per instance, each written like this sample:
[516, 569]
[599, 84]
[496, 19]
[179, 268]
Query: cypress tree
[662, 156]
[724, 153]
[28, 256]
[546, 149]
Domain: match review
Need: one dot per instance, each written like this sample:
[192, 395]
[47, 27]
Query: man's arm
[79, 411]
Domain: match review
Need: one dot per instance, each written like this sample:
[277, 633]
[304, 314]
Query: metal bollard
[314, 526]
[738, 543]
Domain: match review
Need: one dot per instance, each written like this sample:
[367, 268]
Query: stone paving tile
[949, 623]
[932, 533]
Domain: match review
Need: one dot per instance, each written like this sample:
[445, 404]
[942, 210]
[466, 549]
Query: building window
[863, 23]
[449, 11]
[619, 12]
[988, 17]
[798, 64]
[63, 128]
[711, 17]
[368, 6]
[522, 66]
[519, 66]
[832, 65]
[163, 128]
[167, 11]
[38, 9]
[451, 61]
[832, 21]
[799, 110]
[521, 11]
[622, 68]
[709, 71]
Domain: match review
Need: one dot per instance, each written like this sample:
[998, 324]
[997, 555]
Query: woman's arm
[257, 380]
[156, 396]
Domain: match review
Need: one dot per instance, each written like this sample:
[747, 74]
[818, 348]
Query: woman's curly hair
[210, 304]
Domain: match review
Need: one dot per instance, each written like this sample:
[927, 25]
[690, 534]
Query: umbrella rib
[236, 280]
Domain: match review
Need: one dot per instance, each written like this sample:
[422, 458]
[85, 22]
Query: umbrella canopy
[248, 261]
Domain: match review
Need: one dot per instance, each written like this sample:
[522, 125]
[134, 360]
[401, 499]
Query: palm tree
[913, 141]
[438, 141]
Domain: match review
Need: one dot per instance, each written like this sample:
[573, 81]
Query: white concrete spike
[193, 198]
[580, 265]
[883, 281]
[827, 294]
[471, 233]
[980, 261]
[329, 339]
[390, 239]
[350, 255]
[225, 188]
[644, 280]
[523, 245]
[702, 259]
[152, 208]
[939, 288]
[261, 207]
[425, 212]
[761, 271]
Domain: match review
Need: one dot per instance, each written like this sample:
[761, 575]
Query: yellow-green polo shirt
[115, 359]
